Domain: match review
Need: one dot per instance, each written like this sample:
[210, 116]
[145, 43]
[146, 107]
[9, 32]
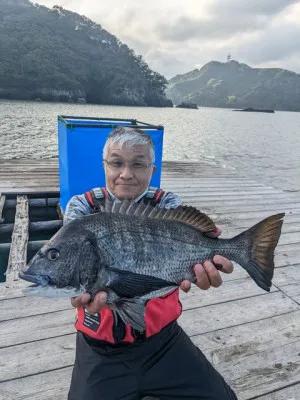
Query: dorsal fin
[185, 214]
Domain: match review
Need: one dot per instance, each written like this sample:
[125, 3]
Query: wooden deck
[251, 337]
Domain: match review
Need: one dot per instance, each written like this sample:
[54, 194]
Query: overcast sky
[176, 36]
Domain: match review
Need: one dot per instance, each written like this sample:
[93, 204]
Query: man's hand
[208, 274]
[92, 307]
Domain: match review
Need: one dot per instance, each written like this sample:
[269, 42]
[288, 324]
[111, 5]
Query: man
[113, 361]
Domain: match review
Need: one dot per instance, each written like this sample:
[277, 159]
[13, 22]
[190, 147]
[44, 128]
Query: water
[265, 147]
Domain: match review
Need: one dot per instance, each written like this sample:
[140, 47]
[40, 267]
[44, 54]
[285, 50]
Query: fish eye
[53, 255]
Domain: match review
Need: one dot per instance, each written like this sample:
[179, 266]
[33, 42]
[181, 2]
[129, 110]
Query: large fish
[136, 252]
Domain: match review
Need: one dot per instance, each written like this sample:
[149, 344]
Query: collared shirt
[113, 197]
[79, 206]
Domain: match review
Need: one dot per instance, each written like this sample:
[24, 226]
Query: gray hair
[125, 135]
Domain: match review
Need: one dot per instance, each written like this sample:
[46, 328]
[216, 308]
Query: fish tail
[261, 241]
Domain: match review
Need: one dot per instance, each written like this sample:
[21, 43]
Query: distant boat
[250, 109]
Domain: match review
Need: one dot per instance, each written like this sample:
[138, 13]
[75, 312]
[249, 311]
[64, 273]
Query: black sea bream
[136, 252]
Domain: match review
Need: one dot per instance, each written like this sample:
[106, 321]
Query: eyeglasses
[134, 165]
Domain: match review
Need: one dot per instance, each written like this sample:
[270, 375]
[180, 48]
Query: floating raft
[250, 336]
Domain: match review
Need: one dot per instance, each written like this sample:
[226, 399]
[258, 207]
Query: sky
[177, 36]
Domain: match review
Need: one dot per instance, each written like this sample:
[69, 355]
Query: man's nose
[126, 172]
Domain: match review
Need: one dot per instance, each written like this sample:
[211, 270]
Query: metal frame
[137, 124]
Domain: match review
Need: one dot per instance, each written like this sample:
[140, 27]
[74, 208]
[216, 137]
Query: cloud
[251, 7]
[175, 36]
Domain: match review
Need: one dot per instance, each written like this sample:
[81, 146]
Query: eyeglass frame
[129, 164]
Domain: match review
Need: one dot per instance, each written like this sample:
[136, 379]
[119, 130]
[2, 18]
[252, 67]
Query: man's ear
[154, 168]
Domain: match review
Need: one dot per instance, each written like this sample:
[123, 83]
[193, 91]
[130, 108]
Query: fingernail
[218, 260]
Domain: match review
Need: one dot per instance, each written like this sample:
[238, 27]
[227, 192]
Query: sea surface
[265, 147]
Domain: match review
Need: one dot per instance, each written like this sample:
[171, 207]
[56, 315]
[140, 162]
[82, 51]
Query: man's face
[130, 181]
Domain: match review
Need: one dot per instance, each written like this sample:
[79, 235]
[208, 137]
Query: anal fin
[132, 312]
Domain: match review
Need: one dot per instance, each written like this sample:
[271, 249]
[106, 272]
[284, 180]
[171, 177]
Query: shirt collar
[113, 197]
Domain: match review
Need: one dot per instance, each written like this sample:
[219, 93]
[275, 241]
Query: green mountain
[55, 54]
[236, 85]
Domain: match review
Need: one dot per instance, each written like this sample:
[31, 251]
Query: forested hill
[236, 85]
[57, 55]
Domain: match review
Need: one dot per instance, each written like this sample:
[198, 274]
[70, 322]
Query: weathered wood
[260, 373]
[195, 321]
[237, 342]
[28, 359]
[288, 393]
[222, 346]
[229, 291]
[52, 385]
[215, 317]
[18, 251]
[37, 327]
[13, 308]
[2, 202]
[292, 290]
[287, 275]
[226, 346]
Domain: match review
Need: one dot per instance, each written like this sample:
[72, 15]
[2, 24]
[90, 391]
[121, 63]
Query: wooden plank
[228, 291]
[292, 290]
[229, 344]
[196, 321]
[238, 200]
[18, 251]
[37, 327]
[288, 393]
[261, 373]
[34, 358]
[28, 306]
[283, 258]
[2, 201]
[215, 317]
[287, 275]
[52, 385]
[225, 345]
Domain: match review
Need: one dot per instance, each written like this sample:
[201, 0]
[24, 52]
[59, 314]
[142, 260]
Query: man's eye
[139, 165]
[116, 164]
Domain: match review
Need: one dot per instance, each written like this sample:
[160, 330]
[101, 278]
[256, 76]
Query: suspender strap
[159, 195]
[154, 195]
[89, 198]
[96, 198]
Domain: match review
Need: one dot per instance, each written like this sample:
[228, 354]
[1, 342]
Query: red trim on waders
[105, 192]
[158, 196]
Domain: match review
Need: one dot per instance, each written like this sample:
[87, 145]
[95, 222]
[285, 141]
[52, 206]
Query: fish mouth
[38, 280]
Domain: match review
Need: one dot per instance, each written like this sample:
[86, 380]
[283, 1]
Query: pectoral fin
[132, 312]
[129, 284]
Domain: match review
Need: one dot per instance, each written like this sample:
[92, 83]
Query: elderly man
[114, 361]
